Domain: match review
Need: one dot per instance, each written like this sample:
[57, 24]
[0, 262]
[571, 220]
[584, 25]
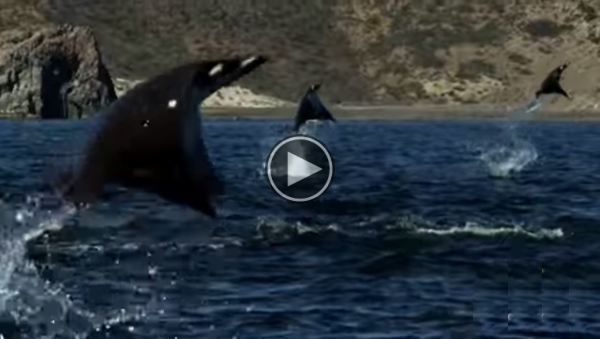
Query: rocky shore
[57, 72]
[227, 97]
[448, 59]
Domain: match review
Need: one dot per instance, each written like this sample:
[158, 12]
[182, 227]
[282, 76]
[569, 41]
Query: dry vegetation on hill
[368, 51]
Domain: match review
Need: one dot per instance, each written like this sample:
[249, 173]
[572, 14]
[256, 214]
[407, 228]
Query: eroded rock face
[382, 52]
[53, 73]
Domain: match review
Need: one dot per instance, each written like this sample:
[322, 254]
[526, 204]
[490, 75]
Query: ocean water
[446, 229]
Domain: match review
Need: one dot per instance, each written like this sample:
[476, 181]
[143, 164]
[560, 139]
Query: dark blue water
[430, 230]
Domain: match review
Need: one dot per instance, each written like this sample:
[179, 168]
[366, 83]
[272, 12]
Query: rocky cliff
[55, 72]
[367, 51]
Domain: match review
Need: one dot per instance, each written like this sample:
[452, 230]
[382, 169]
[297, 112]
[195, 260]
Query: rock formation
[384, 52]
[56, 72]
[492, 52]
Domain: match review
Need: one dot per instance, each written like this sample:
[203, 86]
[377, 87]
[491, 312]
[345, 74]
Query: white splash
[313, 127]
[22, 293]
[502, 161]
[523, 112]
[512, 156]
[26, 298]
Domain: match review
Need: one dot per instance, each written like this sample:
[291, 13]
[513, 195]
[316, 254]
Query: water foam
[514, 153]
[490, 230]
[270, 228]
[484, 231]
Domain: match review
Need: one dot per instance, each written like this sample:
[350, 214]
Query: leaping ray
[151, 139]
[311, 108]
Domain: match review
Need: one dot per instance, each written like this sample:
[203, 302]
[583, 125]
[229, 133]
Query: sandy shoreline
[384, 113]
[400, 113]
[235, 102]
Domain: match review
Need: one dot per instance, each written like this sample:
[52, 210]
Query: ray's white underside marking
[248, 61]
[216, 70]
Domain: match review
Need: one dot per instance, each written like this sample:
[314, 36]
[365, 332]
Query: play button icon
[299, 168]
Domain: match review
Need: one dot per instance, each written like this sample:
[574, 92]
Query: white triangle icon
[299, 169]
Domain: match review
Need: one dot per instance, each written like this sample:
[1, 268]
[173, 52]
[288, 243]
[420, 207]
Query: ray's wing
[197, 175]
[556, 74]
[304, 112]
[183, 188]
[200, 171]
[173, 184]
[320, 109]
[558, 89]
[82, 185]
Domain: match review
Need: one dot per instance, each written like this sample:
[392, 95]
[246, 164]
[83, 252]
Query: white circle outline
[294, 138]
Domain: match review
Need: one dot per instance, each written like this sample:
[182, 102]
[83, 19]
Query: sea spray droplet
[152, 270]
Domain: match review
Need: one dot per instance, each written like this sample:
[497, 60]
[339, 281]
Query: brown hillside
[385, 51]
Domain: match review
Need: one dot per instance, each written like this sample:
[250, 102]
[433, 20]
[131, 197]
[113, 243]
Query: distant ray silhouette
[311, 108]
[151, 139]
[551, 84]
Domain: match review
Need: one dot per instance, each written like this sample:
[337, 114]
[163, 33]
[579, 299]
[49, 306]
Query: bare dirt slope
[364, 51]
